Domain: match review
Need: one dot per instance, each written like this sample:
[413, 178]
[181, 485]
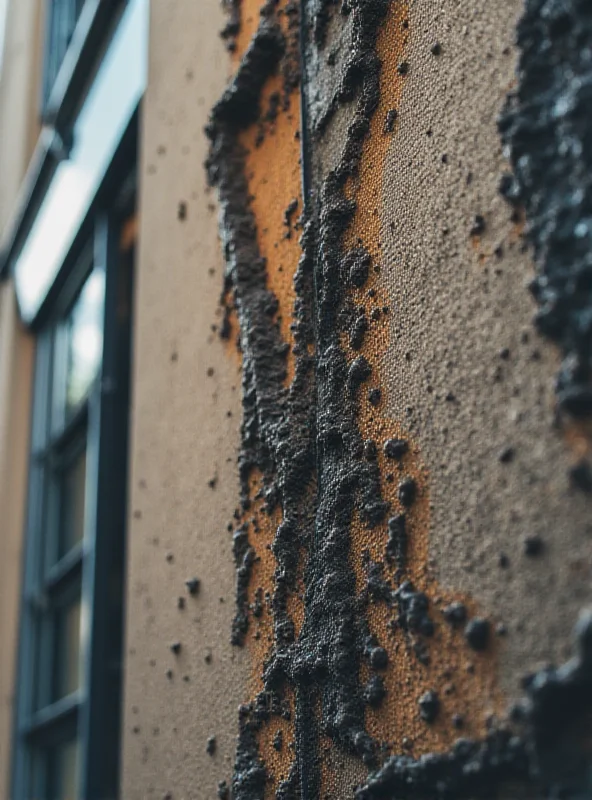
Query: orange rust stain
[261, 530]
[272, 168]
[465, 681]
[249, 21]
[273, 173]
[278, 760]
[328, 777]
[260, 637]
[578, 436]
[392, 46]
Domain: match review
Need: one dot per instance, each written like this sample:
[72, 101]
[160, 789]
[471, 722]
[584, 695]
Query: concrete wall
[463, 378]
[185, 420]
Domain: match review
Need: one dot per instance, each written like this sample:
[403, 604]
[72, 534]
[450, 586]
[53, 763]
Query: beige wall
[16, 356]
[19, 82]
[462, 372]
[182, 436]
[464, 316]
[20, 77]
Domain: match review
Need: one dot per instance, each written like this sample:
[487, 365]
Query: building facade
[295, 396]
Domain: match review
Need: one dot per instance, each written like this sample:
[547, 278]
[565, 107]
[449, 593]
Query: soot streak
[278, 424]
[309, 431]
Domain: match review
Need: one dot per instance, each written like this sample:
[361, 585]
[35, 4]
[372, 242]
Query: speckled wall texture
[412, 537]
[184, 425]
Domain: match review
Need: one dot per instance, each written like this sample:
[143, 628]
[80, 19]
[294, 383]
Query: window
[96, 133]
[62, 16]
[67, 719]
[73, 273]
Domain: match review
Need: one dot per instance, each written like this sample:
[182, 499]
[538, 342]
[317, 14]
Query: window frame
[90, 28]
[94, 709]
[92, 35]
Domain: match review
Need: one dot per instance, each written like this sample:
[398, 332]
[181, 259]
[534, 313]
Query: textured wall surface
[413, 540]
[185, 419]
[20, 82]
[462, 324]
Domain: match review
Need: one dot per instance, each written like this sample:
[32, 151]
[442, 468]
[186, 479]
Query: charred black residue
[278, 423]
[230, 31]
[429, 706]
[547, 129]
[311, 456]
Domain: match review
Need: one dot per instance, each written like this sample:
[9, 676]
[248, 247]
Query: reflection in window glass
[105, 114]
[64, 761]
[85, 340]
[67, 654]
[72, 505]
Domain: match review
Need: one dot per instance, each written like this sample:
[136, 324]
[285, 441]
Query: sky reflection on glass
[112, 99]
[85, 340]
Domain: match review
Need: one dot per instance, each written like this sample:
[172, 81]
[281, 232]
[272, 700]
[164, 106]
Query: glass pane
[67, 651]
[63, 769]
[72, 505]
[105, 114]
[85, 340]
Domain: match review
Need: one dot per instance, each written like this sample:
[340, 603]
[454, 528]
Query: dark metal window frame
[94, 709]
[95, 26]
[61, 18]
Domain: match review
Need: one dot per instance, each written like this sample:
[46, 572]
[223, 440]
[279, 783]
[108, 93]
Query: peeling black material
[547, 129]
[413, 610]
[286, 438]
[395, 448]
[192, 585]
[389, 122]
[580, 476]
[278, 423]
[533, 545]
[396, 546]
[375, 691]
[407, 492]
